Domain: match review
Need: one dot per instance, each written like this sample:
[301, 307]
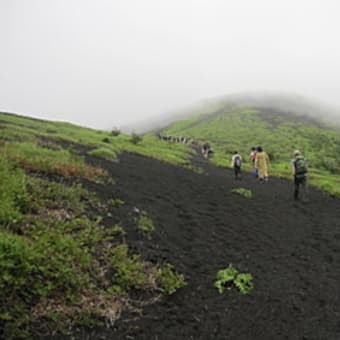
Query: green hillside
[64, 256]
[231, 127]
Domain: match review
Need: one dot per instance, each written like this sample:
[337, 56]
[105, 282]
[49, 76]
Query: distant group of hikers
[260, 161]
[168, 138]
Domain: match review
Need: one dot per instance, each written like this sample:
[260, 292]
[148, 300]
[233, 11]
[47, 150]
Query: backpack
[237, 161]
[300, 166]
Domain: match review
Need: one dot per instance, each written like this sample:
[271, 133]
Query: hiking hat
[297, 153]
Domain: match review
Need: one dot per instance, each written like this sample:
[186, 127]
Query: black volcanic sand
[291, 248]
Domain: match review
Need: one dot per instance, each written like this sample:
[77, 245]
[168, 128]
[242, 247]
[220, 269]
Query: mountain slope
[74, 257]
[291, 250]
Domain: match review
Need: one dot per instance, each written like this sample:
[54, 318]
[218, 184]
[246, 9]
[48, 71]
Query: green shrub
[170, 281]
[135, 139]
[145, 225]
[225, 277]
[18, 265]
[118, 230]
[128, 269]
[31, 157]
[53, 195]
[104, 153]
[12, 192]
[244, 282]
[117, 202]
[115, 132]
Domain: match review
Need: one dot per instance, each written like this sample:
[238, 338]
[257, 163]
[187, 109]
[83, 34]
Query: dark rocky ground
[291, 248]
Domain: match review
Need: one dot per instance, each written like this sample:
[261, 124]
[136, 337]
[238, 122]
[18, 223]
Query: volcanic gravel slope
[291, 248]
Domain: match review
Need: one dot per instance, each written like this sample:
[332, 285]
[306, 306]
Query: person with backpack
[261, 164]
[300, 172]
[236, 163]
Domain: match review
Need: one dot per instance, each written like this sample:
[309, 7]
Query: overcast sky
[105, 63]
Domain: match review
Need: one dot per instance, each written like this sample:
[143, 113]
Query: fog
[113, 63]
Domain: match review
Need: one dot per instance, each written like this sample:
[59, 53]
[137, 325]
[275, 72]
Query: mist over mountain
[278, 103]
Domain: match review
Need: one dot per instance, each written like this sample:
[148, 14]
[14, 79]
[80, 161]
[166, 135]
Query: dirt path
[291, 249]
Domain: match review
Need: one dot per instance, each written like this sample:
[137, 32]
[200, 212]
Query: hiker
[252, 157]
[300, 172]
[261, 164]
[236, 162]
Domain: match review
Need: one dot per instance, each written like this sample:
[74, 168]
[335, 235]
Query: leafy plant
[117, 202]
[243, 192]
[225, 277]
[229, 277]
[244, 282]
[170, 281]
[145, 225]
[118, 230]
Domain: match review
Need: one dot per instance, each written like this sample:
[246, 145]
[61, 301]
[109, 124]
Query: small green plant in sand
[230, 277]
[145, 225]
[169, 279]
[117, 202]
[243, 192]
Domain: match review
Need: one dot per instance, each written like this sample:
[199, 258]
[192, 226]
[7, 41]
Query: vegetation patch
[117, 202]
[169, 279]
[61, 268]
[31, 157]
[135, 139]
[15, 128]
[104, 153]
[145, 225]
[243, 192]
[230, 277]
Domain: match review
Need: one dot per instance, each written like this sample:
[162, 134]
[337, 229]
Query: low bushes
[104, 153]
[31, 157]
